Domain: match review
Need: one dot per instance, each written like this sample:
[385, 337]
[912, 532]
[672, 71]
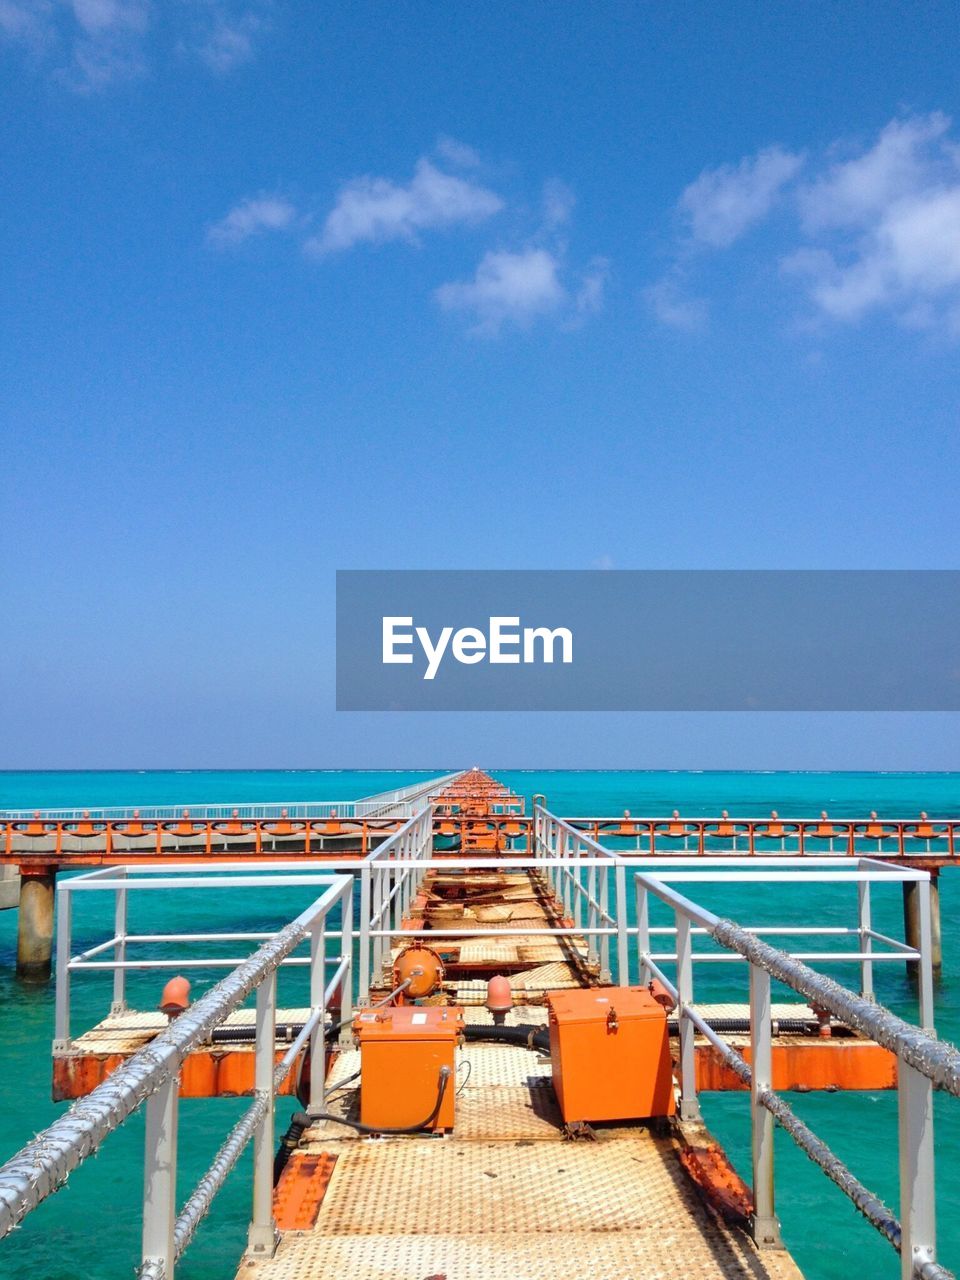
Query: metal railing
[387, 891]
[920, 837]
[151, 1077]
[923, 1063]
[401, 802]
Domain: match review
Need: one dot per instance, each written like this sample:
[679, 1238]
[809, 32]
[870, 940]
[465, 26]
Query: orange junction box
[610, 1054]
[402, 1049]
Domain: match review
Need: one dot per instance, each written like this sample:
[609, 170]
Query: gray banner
[648, 640]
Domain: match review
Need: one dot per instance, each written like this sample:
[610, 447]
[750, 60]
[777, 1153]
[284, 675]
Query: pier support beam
[35, 923]
[911, 920]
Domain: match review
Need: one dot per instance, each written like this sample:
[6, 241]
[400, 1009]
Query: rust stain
[299, 1193]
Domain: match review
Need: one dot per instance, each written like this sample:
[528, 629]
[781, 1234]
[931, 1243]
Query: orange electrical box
[402, 1049]
[610, 1054]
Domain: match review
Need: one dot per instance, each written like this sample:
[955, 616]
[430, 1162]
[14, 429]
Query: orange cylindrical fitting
[499, 998]
[662, 995]
[176, 997]
[422, 968]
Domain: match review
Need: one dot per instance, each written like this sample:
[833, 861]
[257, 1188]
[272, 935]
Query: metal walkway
[504, 1195]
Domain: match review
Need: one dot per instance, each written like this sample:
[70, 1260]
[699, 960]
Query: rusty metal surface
[603, 1210]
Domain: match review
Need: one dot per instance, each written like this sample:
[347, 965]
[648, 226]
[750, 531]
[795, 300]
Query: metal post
[318, 982]
[592, 953]
[765, 1227]
[363, 958]
[866, 942]
[925, 945]
[120, 950]
[689, 1105]
[61, 1019]
[602, 921]
[346, 989]
[623, 937]
[262, 1236]
[918, 1242]
[643, 930]
[160, 1177]
[564, 881]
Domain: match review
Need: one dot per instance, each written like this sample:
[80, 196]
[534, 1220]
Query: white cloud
[378, 209]
[590, 295]
[517, 287]
[107, 44]
[457, 154]
[511, 285]
[110, 15]
[25, 20]
[886, 227]
[249, 218]
[225, 33]
[876, 230]
[725, 202]
[863, 186]
[674, 306]
[558, 202]
[507, 286]
[91, 44]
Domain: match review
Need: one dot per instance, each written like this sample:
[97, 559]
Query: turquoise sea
[90, 1229]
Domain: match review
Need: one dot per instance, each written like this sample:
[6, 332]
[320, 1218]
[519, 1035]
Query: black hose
[299, 1121]
[733, 1026]
[516, 1034]
[528, 1035]
[246, 1035]
[413, 1128]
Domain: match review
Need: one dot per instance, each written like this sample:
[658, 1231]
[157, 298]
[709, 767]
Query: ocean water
[90, 1229]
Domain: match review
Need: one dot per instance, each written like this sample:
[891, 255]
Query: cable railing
[150, 1078]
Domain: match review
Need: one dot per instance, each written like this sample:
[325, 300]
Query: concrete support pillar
[911, 920]
[35, 923]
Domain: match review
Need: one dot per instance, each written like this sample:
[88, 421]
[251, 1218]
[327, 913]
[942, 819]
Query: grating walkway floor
[506, 1196]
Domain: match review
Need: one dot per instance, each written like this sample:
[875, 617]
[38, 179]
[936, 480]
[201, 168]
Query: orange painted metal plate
[299, 1193]
[807, 1064]
[205, 1074]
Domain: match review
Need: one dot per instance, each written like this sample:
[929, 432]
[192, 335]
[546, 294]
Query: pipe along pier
[498, 1066]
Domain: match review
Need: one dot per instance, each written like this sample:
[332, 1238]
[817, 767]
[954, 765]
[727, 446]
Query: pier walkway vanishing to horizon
[484, 938]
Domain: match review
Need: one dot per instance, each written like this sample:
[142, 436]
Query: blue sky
[289, 288]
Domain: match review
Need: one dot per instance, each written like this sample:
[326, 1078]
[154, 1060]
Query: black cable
[413, 1128]
[299, 1121]
[527, 1035]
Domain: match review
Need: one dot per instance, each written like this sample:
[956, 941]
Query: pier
[35, 845]
[474, 947]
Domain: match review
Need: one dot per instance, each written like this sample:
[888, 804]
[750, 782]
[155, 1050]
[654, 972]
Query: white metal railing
[151, 1076]
[569, 859]
[923, 1062]
[401, 802]
[387, 891]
